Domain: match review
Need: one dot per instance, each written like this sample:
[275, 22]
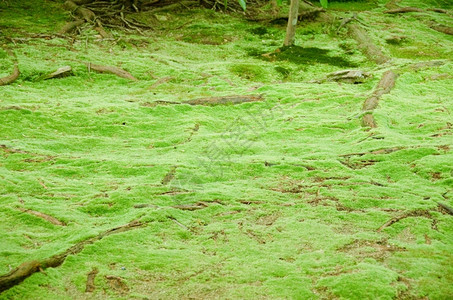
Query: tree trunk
[292, 21]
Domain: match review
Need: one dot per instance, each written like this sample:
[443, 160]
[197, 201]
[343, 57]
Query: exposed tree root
[111, 70]
[28, 268]
[44, 216]
[70, 26]
[169, 176]
[193, 131]
[427, 64]
[439, 10]
[117, 284]
[196, 206]
[446, 208]
[444, 29]
[80, 11]
[384, 86]
[90, 287]
[414, 213]
[104, 34]
[366, 45]
[305, 13]
[379, 151]
[161, 81]
[225, 100]
[14, 75]
[59, 73]
[211, 101]
[408, 9]
[392, 4]
[403, 10]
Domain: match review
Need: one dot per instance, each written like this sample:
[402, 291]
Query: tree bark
[292, 22]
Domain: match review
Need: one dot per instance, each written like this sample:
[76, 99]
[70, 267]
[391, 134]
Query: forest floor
[139, 195]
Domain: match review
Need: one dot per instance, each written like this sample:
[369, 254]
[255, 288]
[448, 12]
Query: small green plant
[324, 3]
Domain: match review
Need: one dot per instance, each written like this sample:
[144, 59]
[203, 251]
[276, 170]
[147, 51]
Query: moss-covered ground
[287, 194]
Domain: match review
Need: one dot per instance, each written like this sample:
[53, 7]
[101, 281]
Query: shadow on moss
[303, 56]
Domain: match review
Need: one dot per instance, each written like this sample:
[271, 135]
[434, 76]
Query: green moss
[249, 72]
[280, 198]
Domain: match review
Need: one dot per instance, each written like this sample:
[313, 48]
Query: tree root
[392, 4]
[44, 216]
[111, 70]
[408, 9]
[82, 12]
[169, 176]
[11, 78]
[191, 207]
[366, 45]
[444, 29]
[71, 26]
[28, 268]
[90, 287]
[446, 208]
[225, 100]
[415, 213]
[59, 73]
[403, 10]
[384, 86]
[161, 81]
[375, 152]
[211, 101]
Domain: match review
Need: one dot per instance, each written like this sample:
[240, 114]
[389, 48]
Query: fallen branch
[11, 78]
[25, 270]
[414, 213]
[384, 86]
[367, 45]
[110, 70]
[44, 216]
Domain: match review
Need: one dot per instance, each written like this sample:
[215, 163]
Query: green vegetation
[284, 198]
